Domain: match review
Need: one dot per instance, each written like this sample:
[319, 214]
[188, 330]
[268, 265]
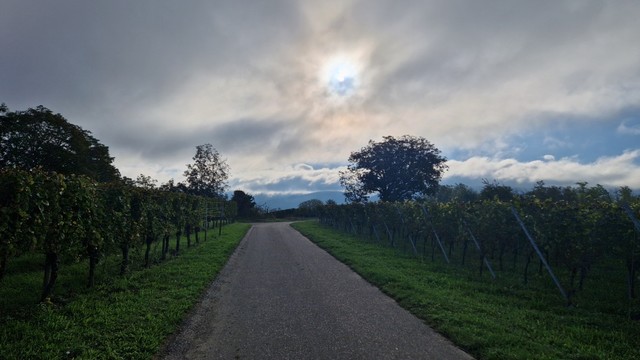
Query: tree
[457, 193]
[171, 186]
[38, 138]
[496, 191]
[310, 207]
[396, 169]
[245, 202]
[208, 174]
[145, 182]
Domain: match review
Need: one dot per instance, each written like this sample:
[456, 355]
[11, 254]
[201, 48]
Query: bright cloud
[621, 170]
[297, 179]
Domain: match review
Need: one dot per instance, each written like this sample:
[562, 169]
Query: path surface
[282, 297]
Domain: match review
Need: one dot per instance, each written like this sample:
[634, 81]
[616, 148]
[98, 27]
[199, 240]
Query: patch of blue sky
[584, 140]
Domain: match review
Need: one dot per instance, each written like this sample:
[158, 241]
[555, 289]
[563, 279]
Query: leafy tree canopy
[397, 169]
[38, 138]
[457, 193]
[496, 191]
[309, 207]
[246, 203]
[208, 174]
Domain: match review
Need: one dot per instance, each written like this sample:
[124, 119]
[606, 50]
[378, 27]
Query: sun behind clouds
[341, 76]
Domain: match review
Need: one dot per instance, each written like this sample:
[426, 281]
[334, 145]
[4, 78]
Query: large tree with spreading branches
[396, 169]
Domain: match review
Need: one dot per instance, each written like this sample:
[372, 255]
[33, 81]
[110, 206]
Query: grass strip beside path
[128, 318]
[501, 319]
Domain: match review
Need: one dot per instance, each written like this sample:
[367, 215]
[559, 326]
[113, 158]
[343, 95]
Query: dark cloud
[444, 46]
[246, 136]
[122, 54]
[241, 136]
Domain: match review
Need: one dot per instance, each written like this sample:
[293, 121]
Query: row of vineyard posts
[568, 236]
[73, 217]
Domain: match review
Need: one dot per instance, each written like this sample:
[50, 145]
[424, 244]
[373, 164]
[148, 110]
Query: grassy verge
[124, 318]
[501, 319]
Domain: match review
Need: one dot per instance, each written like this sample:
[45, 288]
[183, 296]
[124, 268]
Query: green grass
[123, 317]
[501, 319]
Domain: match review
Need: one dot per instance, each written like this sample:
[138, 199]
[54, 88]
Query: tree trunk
[50, 275]
[47, 271]
[3, 265]
[93, 261]
[572, 278]
[631, 277]
[147, 252]
[424, 248]
[198, 229]
[187, 229]
[165, 246]
[526, 268]
[124, 265]
[404, 243]
[464, 251]
[433, 249]
[501, 255]
[178, 235]
[583, 276]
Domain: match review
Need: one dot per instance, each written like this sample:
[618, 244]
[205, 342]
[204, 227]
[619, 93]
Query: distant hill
[274, 202]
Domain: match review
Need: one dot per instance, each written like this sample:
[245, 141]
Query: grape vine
[73, 218]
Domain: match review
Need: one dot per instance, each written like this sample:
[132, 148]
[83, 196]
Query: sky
[514, 91]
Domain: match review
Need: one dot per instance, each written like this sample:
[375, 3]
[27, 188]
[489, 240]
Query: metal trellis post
[535, 247]
[433, 228]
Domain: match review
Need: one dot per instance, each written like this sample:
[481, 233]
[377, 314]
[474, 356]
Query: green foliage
[496, 191]
[396, 169]
[72, 218]
[578, 231]
[208, 174]
[122, 318]
[457, 193]
[309, 208]
[38, 138]
[246, 204]
[15, 207]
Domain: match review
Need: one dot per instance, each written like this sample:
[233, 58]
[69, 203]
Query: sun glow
[340, 76]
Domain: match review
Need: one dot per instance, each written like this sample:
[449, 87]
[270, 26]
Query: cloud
[621, 170]
[154, 79]
[628, 129]
[481, 70]
[614, 171]
[297, 179]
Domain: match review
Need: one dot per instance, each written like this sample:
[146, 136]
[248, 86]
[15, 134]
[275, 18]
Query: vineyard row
[566, 237]
[73, 217]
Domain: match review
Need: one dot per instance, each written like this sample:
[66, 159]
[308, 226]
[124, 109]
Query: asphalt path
[282, 297]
